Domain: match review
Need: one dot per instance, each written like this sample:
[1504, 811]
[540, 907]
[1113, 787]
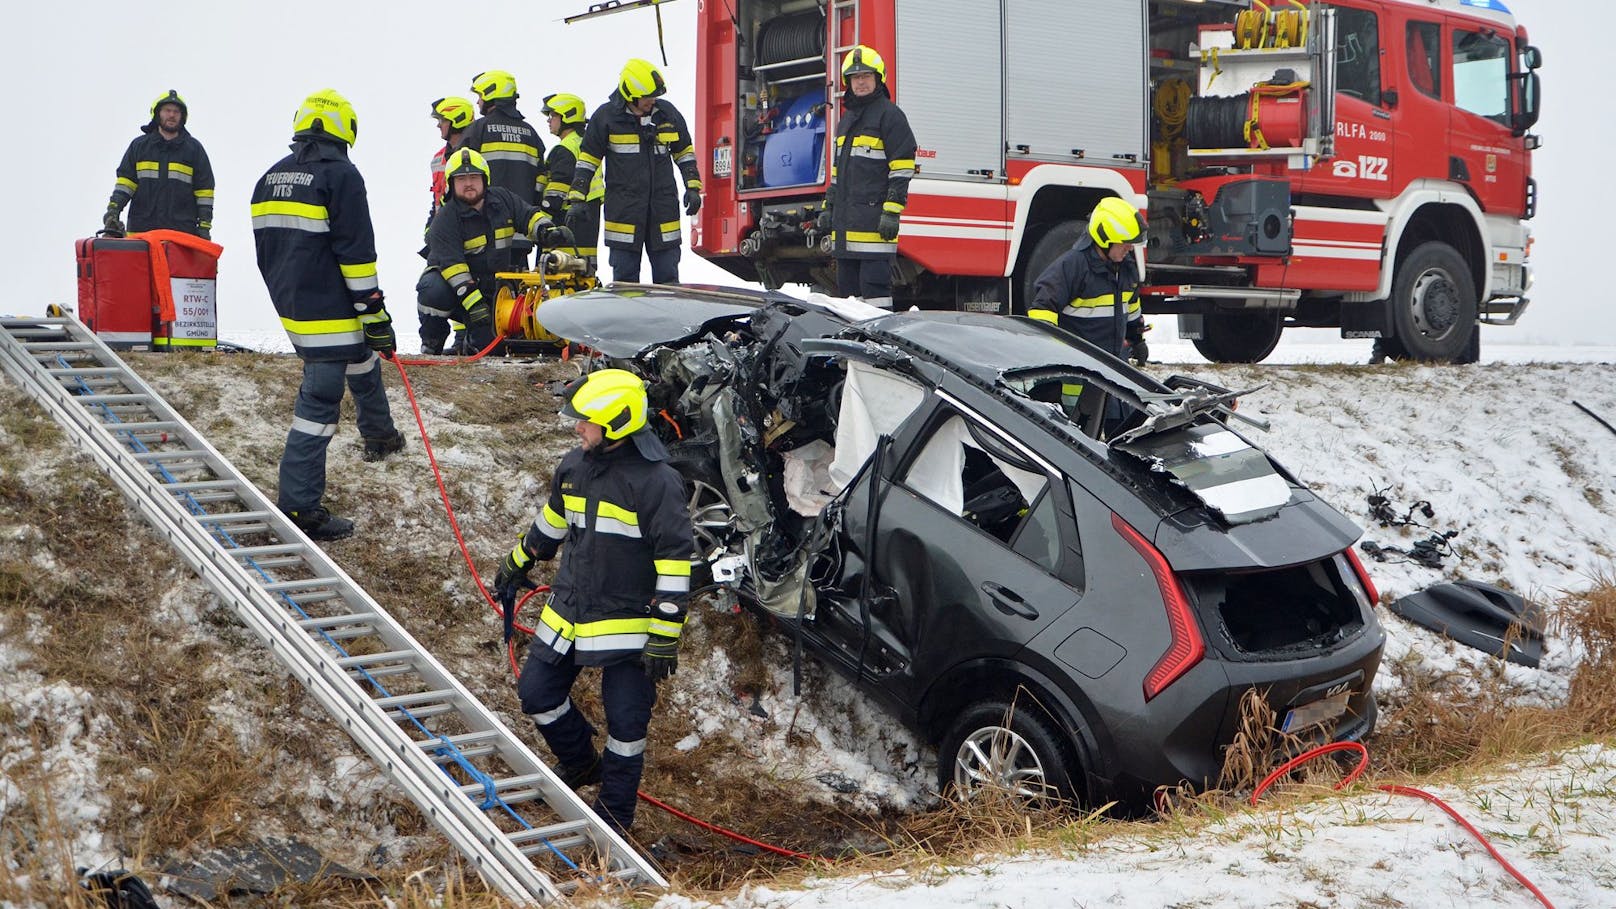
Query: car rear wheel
[1010, 748]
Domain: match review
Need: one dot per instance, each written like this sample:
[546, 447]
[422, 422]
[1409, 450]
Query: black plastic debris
[1490, 619]
[117, 889]
[259, 867]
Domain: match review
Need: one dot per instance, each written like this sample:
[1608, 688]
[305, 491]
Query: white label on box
[196, 316]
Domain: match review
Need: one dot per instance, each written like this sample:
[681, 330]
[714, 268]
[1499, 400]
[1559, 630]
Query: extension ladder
[472, 777]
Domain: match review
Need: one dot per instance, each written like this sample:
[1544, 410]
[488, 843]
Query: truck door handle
[1008, 601]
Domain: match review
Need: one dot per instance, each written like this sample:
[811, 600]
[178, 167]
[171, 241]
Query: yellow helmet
[173, 97]
[863, 59]
[466, 161]
[1115, 221]
[327, 112]
[457, 111]
[570, 107]
[640, 79]
[494, 85]
[613, 399]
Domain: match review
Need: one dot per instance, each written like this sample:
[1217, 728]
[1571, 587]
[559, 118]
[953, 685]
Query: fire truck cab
[1362, 164]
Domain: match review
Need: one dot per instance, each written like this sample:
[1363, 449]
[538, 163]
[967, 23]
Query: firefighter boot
[379, 449]
[319, 524]
[577, 776]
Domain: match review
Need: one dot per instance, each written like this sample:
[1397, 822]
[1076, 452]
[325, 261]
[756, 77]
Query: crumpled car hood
[625, 320]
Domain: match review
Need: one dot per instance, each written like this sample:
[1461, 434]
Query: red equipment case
[115, 290]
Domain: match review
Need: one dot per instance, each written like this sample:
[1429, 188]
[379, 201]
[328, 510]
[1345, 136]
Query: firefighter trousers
[628, 695]
[435, 302]
[626, 264]
[314, 422]
[868, 279]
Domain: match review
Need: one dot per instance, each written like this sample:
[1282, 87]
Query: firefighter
[164, 177]
[1091, 289]
[638, 136]
[317, 253]
[472, 238]
[869, 181]
[617, 510]
[510, 145]
[567, 116]
[453, 115]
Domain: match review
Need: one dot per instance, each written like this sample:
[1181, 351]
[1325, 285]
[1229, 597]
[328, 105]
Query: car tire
[1014, 747]
[1239, 337]
[1434, 305]
[1057, 239]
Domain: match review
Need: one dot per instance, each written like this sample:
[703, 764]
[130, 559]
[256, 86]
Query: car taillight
[1363, 578]
[1187, 647]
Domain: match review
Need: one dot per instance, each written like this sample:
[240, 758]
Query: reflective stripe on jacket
[1082, 290]
[623, 528]
[511, 146]
[167, 183]
[644, 196]
[316, 249]
[468, 246]
[870, 173]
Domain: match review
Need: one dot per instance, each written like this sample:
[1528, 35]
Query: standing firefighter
[566, 114]
[453, 115]
[617, 510]
[510, 145]
[317, 253]
[470, 240]
[164, 177]
[638, 137]
[869, 180]
[1091, 289]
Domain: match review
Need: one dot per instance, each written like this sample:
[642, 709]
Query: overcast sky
[89, 71]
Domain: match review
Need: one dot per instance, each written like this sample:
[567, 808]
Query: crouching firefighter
[617, 512]
[470, 240]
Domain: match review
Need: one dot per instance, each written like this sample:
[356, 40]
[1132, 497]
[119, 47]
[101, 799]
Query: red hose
[1363, 763]
[510, 646]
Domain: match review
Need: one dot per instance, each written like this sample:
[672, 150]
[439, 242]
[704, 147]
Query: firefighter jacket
[468, 246]
[440, 185]
[874, 160]
[511, 147]
[557, 179]
[626, 541]
[643, 195]
[167, 183]
[316, 249]
[1087, 294]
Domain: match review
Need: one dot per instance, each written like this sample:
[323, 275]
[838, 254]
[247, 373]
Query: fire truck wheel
[1057, 239]
[1434, 305]
[1239, 337]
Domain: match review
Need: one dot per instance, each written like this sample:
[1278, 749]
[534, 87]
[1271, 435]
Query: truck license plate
[721, 161]
[1320, 711]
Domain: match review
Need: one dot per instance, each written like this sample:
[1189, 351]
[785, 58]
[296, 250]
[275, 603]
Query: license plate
[1322, 710]
[722, 161]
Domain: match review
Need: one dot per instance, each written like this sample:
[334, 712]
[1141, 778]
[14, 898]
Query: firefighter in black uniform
[638, 136]
[471, 239]
[567, 116]
[317, 253]
[510, 145]
[1091, 289]
[617, 601]
[869, 180]
[166, 175]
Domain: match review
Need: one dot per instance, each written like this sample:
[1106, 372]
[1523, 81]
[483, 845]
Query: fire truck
[1361, 164]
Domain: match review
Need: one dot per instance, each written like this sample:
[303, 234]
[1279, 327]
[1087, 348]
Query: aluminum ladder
[529, 836]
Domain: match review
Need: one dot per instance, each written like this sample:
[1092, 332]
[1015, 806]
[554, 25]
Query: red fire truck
[1362, 164]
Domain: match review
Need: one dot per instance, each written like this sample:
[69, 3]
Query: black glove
[478, 312]
[692, 201]
[111, 222]
[379, 334]
[511, 581]
[888, 227]
[661, 654]
[822, 223]
[1139, 352]
[577, 214]
[553, 236]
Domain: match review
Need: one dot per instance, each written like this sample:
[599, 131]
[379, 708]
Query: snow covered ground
[1526, 479]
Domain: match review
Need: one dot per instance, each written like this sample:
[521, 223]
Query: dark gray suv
[1060, 570]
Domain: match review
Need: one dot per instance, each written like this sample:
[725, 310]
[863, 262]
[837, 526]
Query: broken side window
[980, 484]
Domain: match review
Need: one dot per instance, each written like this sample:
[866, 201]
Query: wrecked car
[1059, 570]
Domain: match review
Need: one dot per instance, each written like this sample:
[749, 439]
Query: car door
[970, 536]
